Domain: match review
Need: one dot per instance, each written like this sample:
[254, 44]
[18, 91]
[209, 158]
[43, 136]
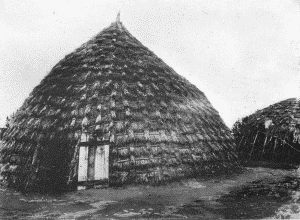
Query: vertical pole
[73, 167]
[240, 143]
[253, 144]
[274, 148]
[34, 166]
[283, 152]
[265, 143]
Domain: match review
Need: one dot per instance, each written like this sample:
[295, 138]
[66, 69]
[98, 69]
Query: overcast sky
[243, 54]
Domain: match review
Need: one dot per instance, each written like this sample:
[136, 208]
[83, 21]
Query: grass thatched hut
[113, 111]
[271, 134]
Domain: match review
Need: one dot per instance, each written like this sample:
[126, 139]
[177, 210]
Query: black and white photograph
[149, 109]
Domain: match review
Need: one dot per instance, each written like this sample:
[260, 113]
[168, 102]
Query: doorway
[93, 166]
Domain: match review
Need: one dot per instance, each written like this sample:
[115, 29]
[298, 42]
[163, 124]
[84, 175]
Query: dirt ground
[256, 193]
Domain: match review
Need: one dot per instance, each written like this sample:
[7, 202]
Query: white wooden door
[101, 162]
[83, 163]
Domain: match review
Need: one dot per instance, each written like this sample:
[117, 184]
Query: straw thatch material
[160, 126]
[2, 130]
[271, 134]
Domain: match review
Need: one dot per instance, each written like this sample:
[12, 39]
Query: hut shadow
[220, 174]
[255, 200]
[269, 164]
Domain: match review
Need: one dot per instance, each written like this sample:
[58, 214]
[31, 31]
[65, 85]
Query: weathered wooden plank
[106, 162]
[91, 163]
[101, 162]
[83, 164]
[98, 156]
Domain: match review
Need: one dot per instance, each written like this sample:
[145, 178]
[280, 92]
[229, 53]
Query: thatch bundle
[2, 130]
[271, 134]
[159, 126]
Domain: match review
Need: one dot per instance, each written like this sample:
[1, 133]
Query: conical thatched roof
[272, 133]
[113, 87]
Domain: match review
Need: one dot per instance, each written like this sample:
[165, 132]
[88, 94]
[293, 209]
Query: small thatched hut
[112, 111]
[271, 134]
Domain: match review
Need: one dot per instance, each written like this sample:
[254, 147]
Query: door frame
[92, 183]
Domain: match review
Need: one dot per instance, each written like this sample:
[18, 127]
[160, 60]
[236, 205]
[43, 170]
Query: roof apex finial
[118, 17]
